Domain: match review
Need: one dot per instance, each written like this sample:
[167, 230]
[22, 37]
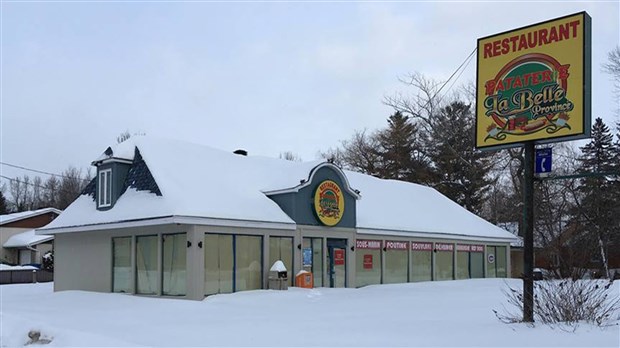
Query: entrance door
[336, 261]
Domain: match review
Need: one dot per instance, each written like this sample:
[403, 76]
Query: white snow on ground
[451, 313]
[4, 267]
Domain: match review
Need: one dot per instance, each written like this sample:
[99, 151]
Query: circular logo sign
[491, 258]
[329, 203]
[528, 96]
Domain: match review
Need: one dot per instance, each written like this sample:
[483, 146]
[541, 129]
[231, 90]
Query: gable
[303, 205]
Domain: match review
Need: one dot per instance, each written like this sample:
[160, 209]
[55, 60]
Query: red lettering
[489, 87]
[496, 48]
[535, 80]
[563, 72]
[526, 79]
[488, 47]
[574, 26]
[564, 32]
[517, 83]
[543, 37]
[553, 34]
[514, 40]
[505, 47]
[522, 43]
[532, 39]
[546, 76]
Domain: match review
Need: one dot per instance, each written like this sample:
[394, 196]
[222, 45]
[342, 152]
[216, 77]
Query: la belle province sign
[533, 84]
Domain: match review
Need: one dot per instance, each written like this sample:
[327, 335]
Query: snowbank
[450, 313]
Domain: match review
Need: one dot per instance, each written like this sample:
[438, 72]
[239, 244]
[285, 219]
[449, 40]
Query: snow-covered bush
[566, 302]
[48, 261]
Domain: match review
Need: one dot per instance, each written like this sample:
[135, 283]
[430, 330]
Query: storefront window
[281, 248]
[491, 256]
[396, 262]
[444, 261]
[146, 265]
[174, 264]
[312, 259]
[421, 261]
[248, 262]
[476, 262]
[462, 264]
[367, 262]
[121, 264]
[500, 260]
[218, 264]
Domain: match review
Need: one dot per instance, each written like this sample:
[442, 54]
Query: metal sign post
[528, 233]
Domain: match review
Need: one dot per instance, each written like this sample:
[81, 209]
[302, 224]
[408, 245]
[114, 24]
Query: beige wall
[9, 255]
[83, 260]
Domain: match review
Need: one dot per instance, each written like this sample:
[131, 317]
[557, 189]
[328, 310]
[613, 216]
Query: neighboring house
[20, 245]
[170, 218]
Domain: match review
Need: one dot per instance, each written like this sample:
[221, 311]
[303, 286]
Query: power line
[467, 60]
[39, 171]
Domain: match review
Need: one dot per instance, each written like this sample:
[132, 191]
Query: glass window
[105, 188]
[121, 264]
[248, 262]
[281, 248]
[476, 262]
[218, 264]
[146, 264]
[312, 259]
[421, 266]
[500, 261]
[396, 262]
[174, 264]
[421, 261]
[367, 262]
[462, 264]
[444, 261]
[491, 273]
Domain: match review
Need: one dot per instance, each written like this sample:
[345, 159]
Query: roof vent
[240, 152]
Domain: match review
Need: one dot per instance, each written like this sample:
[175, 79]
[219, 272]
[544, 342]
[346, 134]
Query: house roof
[26, 239]
[8, 218]
[197, 181]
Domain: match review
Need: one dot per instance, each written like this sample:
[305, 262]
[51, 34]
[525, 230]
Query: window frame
[104, 192]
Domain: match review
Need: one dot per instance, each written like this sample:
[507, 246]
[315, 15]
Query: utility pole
[528, 233]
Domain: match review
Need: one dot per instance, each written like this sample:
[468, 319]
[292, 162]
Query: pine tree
[594, 210]
[461, 170]
[401, 152]
[3, 204]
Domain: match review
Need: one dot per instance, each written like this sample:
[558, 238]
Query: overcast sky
[266, 77]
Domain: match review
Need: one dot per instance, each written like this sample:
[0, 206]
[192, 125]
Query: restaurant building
[171, 218]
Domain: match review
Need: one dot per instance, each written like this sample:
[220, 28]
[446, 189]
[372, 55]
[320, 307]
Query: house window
[105, 188]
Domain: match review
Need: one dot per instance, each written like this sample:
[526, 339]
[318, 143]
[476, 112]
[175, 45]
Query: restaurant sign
[533, 84]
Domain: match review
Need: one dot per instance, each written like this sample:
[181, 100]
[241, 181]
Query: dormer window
[105, 188]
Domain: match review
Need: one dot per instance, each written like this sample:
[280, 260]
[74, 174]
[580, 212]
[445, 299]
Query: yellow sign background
[329, 217]
[573, 51]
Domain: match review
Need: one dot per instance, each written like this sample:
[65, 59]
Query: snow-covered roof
[8, 218]
[197, 181]
[26, 239]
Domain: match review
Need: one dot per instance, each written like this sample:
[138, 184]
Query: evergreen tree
[3, 204]
[461, 170]
[594, 212]
[401, 152]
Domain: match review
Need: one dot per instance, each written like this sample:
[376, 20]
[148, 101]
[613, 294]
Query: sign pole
[528, 230]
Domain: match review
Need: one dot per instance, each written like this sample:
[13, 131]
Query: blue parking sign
[543, 161]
